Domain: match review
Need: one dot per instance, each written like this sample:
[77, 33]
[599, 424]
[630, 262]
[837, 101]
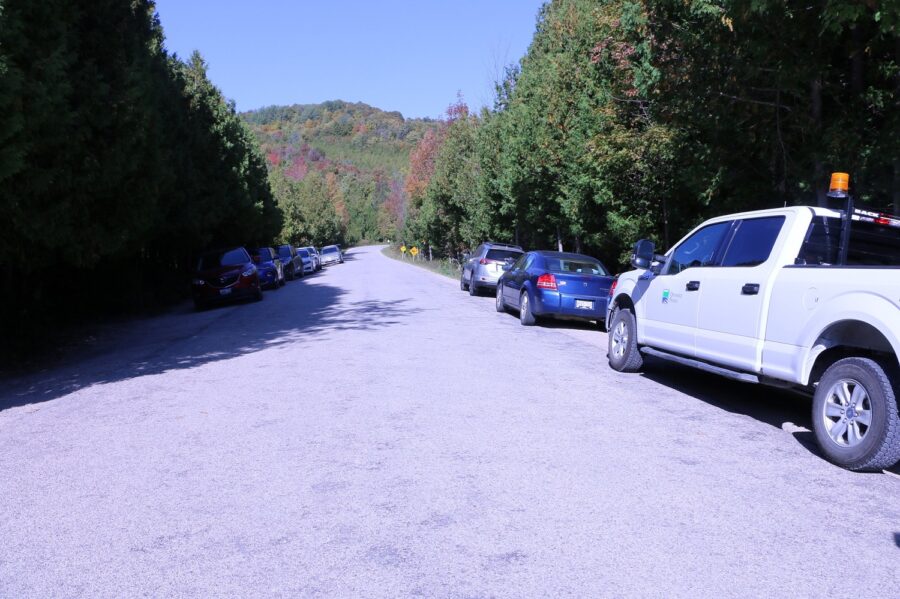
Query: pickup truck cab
[796, 297]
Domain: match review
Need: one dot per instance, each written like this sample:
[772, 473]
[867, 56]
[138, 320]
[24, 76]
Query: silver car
[483, 267]
[317, 261]
[331, 254]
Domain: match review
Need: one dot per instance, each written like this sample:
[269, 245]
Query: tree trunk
[857, 62]
[815, 100]
[578, 244]
[896, 182]
[558, 239]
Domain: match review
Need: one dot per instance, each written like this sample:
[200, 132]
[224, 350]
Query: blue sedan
[555, 285]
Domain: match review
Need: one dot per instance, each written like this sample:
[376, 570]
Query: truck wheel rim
[619, 340]
[847, 413]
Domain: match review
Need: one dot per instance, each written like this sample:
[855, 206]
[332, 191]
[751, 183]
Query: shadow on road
[897, 539]
[183, 338]
[546, 322]
[776, 407]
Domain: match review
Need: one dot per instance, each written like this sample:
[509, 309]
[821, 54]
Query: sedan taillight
[612, 288]
[547, 281]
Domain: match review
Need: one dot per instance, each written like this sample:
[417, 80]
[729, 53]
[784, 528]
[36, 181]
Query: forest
[119, 162]
[640, 118]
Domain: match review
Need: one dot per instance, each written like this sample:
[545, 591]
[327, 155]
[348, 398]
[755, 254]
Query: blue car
[555, 285]
[270, 267]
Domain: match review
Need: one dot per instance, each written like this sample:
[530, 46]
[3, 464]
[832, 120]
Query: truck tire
[623, 352]
[855, 415]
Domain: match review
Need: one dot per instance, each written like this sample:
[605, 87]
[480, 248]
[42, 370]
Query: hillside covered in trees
[118, 163]
[337, 168]
[634, 118]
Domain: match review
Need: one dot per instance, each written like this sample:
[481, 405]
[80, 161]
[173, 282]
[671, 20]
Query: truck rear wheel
[855, 415]
[623, 352]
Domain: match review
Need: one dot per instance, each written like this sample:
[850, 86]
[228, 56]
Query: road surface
[371, 431]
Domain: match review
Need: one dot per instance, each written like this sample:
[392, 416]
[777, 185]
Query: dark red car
[225, 275]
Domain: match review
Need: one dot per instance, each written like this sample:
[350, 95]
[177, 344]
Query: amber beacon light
[840, 185]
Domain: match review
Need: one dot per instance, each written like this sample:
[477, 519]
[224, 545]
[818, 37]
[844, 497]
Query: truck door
[731, 309]
[670, 301]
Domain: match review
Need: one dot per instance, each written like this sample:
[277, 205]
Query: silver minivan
[483, 267]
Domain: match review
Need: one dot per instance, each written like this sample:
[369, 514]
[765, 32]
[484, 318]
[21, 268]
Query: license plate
[225, 291]
[584, 304]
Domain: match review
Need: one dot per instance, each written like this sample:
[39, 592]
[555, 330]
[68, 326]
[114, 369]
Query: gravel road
[371, 431]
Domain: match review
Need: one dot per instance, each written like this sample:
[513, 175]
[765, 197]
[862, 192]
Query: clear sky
[407, 55]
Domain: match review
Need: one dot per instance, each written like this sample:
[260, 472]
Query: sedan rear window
[233, 257]
[284, 251]
[502, 255]
[575, 266]
[329, 250]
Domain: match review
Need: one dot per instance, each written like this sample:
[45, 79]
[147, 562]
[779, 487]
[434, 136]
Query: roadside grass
[443, 266]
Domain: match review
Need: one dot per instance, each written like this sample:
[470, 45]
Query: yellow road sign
[414, 251]
[403, 248]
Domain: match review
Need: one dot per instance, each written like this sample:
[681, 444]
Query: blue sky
[411, 56]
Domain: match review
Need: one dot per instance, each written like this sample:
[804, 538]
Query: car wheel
[855, 415]
[499, 304]
[623, 352]
[473, 287]
[526, 317]
[462, 282]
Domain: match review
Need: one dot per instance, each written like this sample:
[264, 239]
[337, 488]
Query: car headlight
[199, 282]
[249, 272]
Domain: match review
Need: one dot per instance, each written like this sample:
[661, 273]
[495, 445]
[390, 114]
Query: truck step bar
[726, 372]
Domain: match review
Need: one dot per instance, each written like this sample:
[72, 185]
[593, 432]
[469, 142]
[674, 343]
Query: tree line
[640, 118]
[119, 162]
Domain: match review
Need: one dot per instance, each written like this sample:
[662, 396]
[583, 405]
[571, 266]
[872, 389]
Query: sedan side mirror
[643, 255]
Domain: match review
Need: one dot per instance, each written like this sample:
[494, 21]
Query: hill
[353, 153]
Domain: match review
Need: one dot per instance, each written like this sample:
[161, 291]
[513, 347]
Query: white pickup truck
[795, 297]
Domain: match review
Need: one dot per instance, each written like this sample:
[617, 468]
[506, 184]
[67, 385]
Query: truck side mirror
[644, 253]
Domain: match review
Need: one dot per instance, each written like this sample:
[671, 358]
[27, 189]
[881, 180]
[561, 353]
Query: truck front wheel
[623, 352]
[855, 415]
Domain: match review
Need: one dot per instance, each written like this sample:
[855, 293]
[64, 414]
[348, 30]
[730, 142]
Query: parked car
[483, 267]
[293, 265]
[271, 269]
[555, 284]
[314, 254]
[224, 275]
[331, 255]
[802, 297]
[309, 266]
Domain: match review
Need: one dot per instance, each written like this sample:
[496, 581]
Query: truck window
[871, 244]
[753, 241]
[699, 249]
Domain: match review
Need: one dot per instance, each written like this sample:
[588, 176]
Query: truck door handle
[692, 286]
[750, 289]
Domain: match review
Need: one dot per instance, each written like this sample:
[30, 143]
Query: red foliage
[421, 162]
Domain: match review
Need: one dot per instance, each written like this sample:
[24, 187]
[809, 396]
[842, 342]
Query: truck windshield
[871, 244]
